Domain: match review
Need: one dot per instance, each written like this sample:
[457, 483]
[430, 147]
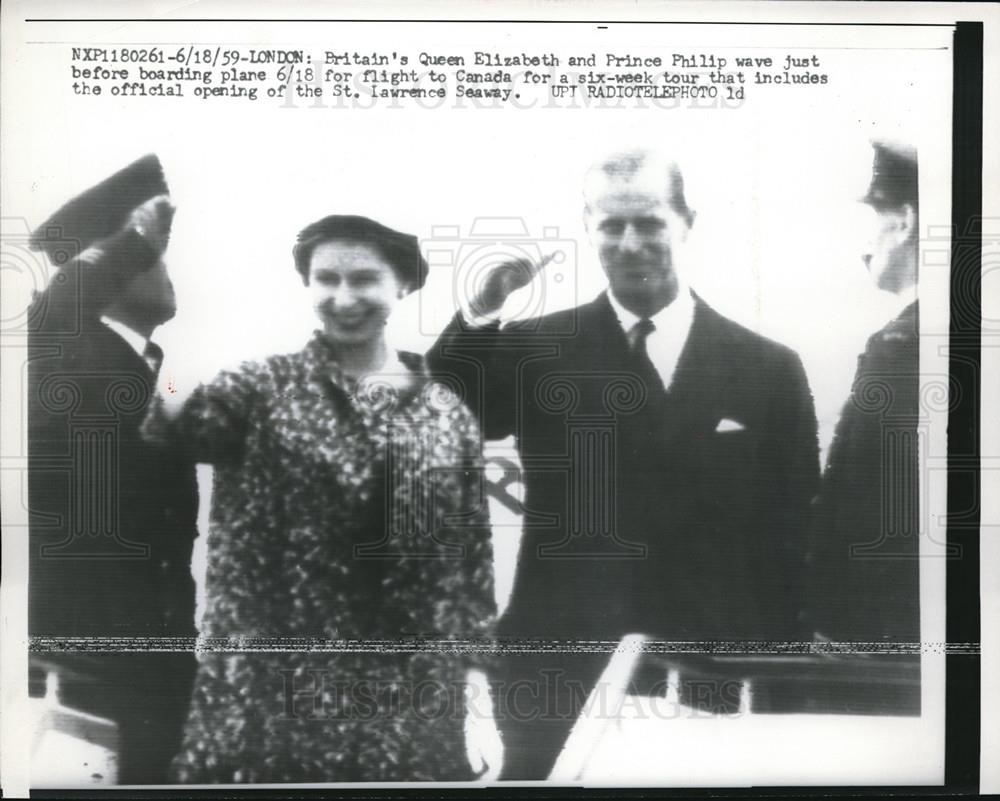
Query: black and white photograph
[498, 395]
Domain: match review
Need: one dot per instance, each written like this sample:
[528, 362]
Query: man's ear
[688, 218]
[907, 222]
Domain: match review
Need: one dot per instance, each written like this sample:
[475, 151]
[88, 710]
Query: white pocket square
[726, 425]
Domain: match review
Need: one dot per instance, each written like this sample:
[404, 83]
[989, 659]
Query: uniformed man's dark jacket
[864, 563]
[112, 517]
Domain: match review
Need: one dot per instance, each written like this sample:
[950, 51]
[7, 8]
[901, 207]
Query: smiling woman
[346, 517]
[354, 291]
[356, 271]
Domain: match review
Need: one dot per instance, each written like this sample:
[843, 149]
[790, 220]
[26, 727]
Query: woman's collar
[401, 374]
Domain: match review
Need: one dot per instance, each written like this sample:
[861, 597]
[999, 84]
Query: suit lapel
[601, 333]
[690, 405]
[696, 366]
[117, 354]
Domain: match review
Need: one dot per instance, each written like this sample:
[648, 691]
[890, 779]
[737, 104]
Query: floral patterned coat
[349, 548]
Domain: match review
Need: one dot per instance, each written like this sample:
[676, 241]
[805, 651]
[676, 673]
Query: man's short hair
[401, 251]
[626, 164]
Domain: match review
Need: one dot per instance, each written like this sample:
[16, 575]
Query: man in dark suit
[668, 455]
[112, 518]
[864, 563]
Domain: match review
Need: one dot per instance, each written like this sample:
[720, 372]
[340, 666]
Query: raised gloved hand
[500, 280]
[152, 220]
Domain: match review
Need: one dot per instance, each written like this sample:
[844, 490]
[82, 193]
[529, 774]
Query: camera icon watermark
[27, 271]
[469, 258]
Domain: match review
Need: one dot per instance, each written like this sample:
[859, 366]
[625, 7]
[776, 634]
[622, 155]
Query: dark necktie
[153, 354]
[645, 368]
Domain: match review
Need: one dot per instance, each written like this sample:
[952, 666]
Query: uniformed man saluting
[112, 518]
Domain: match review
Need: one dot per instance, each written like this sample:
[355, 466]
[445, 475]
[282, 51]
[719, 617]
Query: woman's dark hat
[400, 250]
